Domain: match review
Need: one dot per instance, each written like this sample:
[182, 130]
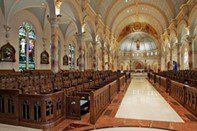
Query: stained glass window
[72, 56]
[27, 39]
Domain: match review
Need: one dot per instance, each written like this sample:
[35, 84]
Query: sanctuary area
[106, 65]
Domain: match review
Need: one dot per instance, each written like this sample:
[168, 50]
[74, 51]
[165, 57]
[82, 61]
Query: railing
[9, 106]
[99, 100]
[178, 91]
[184, 94]
[37, 111]
[41, 110]
[191, 99]
[113, 88]
[163, 83]
[121, 83]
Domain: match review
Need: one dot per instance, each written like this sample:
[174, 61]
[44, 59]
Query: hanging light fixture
[138, 44]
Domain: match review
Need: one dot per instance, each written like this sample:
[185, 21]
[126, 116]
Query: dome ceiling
[146, 42]
[117, 14]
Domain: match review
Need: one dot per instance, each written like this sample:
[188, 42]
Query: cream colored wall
[15, 23]
[97, 27]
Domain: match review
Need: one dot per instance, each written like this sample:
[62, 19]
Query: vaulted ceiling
[117, 14]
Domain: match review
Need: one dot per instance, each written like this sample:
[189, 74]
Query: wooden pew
[99, 100]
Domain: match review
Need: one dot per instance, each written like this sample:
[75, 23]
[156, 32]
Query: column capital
[54, 21]
[80, 35]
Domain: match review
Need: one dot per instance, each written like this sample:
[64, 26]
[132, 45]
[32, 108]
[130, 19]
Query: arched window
[27, 39]
[185, 59]
[71, 56]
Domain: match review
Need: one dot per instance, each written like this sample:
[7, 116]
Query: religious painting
[44, 57]
[7, 53]
[138, 65]
[65, 60]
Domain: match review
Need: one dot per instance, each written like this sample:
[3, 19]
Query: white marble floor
[129, 129]
[5, 127]
[142, 101]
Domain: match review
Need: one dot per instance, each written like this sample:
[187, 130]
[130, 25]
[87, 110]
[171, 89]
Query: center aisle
[142, 101]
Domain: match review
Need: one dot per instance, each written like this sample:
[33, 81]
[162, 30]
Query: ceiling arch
[71, 9]
[115, 10]
[117, 5]
[12, 7]
[143, 7]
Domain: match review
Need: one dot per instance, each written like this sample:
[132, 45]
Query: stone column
[95, 66]
[54, 45]
[178, 56]
[117, 62]
[166, 65]
[190, 55]
[80, 60]
[159, 63]
[171, 65]
[103, 55]
[108, 59]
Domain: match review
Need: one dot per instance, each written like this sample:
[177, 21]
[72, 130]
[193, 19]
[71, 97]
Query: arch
[90, 26]
[122, 24]
[72, 9]
[22, 5]
[173, 38]
[99, 32]
[182, 30]
[115, 2]
[192, 21]
[141, 4]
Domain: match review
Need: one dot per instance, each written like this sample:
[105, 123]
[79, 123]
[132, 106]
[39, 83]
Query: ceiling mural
[137, 27]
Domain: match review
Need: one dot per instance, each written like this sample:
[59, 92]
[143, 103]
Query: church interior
[105, 65]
